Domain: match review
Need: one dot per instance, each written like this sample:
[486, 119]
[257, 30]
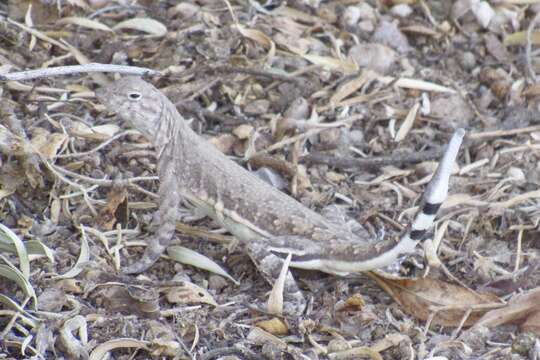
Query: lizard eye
[134, 96]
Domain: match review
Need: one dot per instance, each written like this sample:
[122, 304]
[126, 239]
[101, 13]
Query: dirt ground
[345, 105]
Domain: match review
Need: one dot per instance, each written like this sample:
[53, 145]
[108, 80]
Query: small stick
[500, 133]
[374, 162]
[77, 69]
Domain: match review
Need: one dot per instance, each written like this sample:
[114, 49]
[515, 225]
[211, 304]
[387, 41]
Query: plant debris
[342, 104]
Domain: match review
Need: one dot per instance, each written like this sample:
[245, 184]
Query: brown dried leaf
[189, 293]
[47, 144]
[131, 300]
[345, 66]
[274, 326]
[522, 308]
[351, 86]
[259, 37]
[116, 209]
[422, 298]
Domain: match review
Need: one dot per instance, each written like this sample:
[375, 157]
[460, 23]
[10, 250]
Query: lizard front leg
[169, 200]
[270, 266]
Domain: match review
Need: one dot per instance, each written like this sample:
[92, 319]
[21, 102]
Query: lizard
[270, 223]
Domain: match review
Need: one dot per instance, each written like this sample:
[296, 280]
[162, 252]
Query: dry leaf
[352, 86]
[116, 210]
[345, 66]
[100, 132]
[46, 144]
[131, 299]
[150, 26]
[274, 326]
[100, 352]
[84, 22]
[521, 309]
[189, 293]
[407, 123]
[259, 37]
[421, 298]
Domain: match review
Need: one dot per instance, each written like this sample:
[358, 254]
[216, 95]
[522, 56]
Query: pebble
[401, 10]
[467, 60]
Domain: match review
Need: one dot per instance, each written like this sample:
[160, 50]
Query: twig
[81, 188]
[100, 146]
[374, 162]
[221, 352]
[528, 48]
[78, 69]
[499, 133]
[318, 128]
[104, 182]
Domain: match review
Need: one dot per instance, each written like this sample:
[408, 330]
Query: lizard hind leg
[270, 267]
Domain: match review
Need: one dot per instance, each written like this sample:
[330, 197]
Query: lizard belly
[344, 267]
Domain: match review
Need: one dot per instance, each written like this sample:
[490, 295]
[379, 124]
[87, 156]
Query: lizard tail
[435, 193]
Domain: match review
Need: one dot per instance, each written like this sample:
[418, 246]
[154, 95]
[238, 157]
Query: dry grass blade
[25, 316]
[84, 22]
[76, 348]
[84, 257]
[9, 236]
[407, 123]
[150, 26]
[101, 351]
[11, 272]
[189, 257]
[275, 300]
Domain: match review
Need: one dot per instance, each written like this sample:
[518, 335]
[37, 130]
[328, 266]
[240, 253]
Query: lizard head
[136, 101]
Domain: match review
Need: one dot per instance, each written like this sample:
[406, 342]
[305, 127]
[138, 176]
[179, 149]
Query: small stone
[336, 345]
[377, 57]
[516, 174]
[257, 107]
[453, 109]
[366, 26]
[351, 15]
[243, 131]
[224, 142]
[467, 60]
[388, 33]
[52, 299]
[366, 11]
[356, 137]
[401, 10]
[523, 343]
[483, 13]
[216, 283]
[335, 177]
